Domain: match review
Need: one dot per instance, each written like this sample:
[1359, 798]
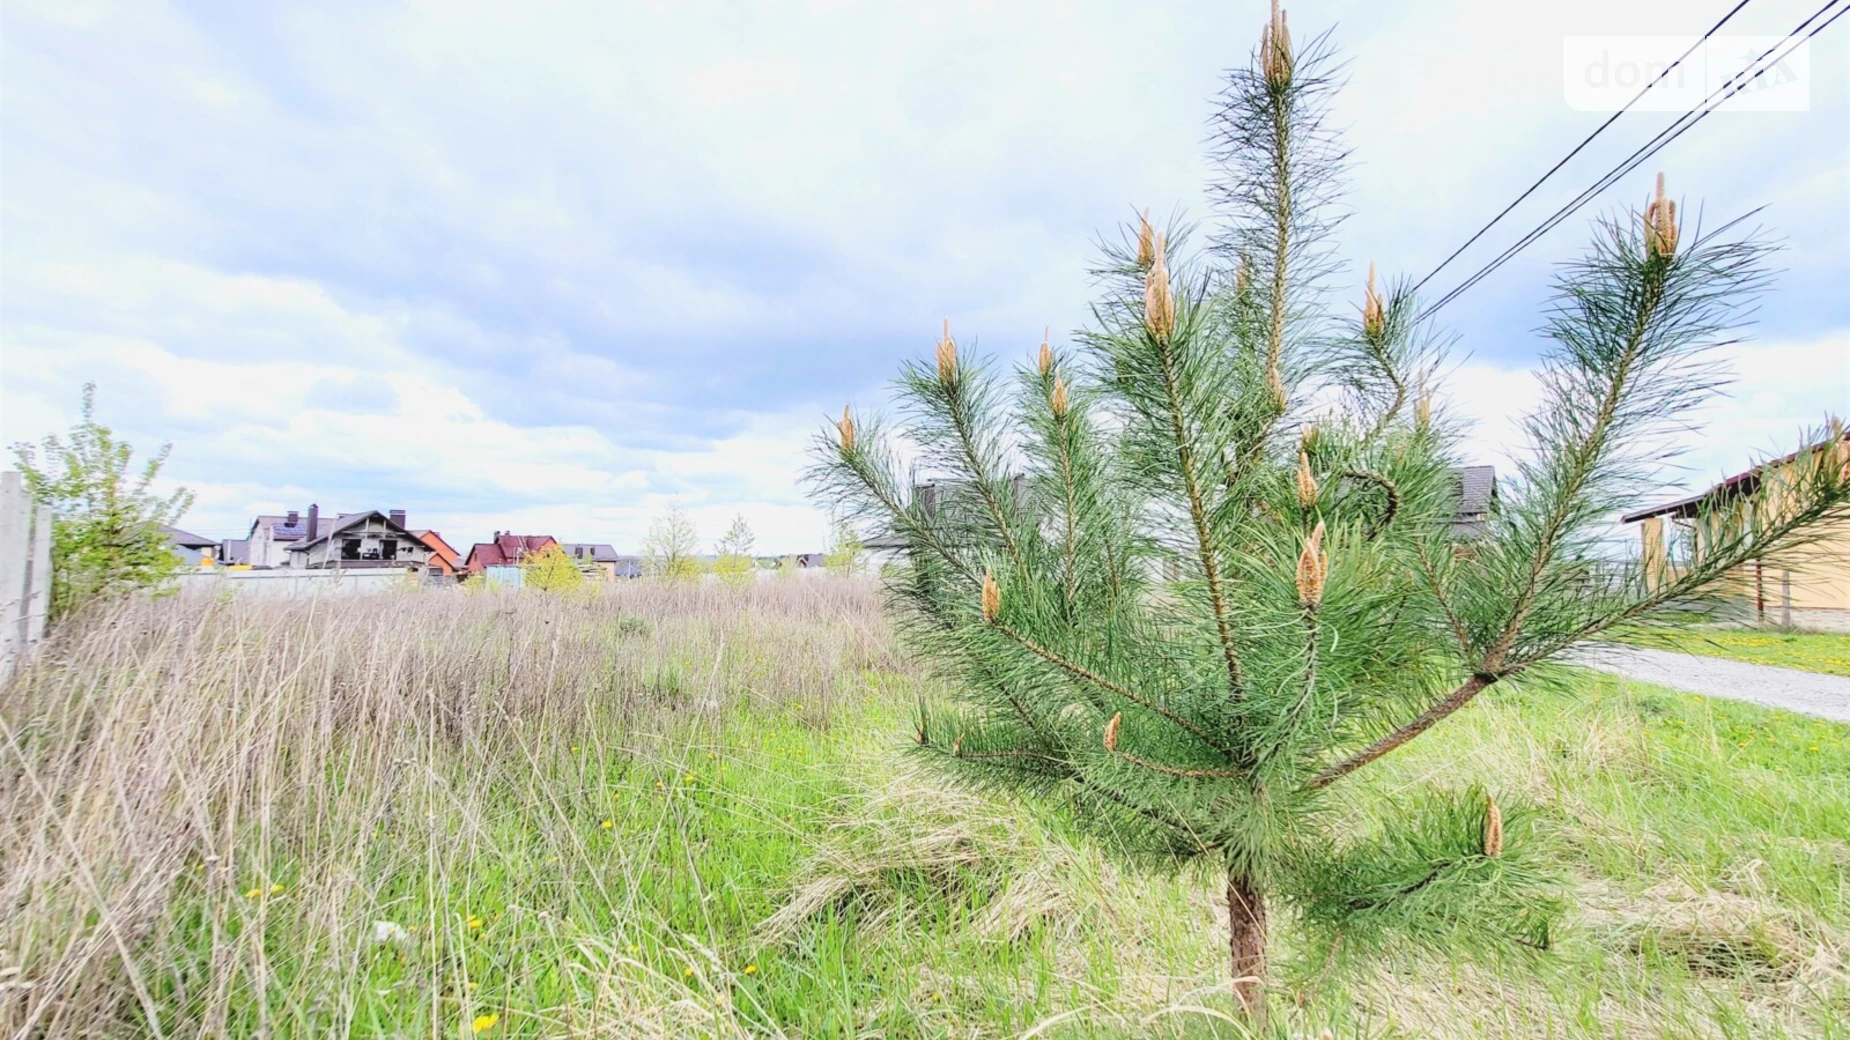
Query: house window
[388, 549]
[350, 549]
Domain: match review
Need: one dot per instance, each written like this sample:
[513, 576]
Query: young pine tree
[107, 537]
[1173, 600]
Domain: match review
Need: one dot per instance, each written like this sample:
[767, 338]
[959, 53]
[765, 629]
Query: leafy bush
[106, 534]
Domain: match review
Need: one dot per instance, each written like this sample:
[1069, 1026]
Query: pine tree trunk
[1246, 921]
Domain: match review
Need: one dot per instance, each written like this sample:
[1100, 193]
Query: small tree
[1200, 612]
[668, 551]
[551, 569]
[845, 553]
[735, 563]
[106, 522]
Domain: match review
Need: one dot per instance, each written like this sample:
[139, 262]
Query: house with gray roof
[188, 546]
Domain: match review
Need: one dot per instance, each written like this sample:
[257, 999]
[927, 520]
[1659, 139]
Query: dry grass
[171, 763]
[681, 812]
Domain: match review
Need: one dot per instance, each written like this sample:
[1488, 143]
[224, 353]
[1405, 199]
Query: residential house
[270, 536]
[505, 549]
[1476, 490]
[188, 546]
[235, 552]
[1806, 587]
[358, 541]
[444, 560]
[610, 563]
[1477, 500]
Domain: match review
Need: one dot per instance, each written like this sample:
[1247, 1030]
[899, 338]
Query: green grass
[1827, 652]
[687, 828]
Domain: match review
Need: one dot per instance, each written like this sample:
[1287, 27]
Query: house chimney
[293, 517]
[398, 517]
[314, 518]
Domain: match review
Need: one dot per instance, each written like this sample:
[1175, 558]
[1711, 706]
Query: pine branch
[1198, 514]
[1427, 719]
[1082, 672]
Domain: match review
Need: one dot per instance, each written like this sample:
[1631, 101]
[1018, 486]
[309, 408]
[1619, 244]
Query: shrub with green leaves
[551, 569]
[106, 531]
[733, 562]
[1190, 576]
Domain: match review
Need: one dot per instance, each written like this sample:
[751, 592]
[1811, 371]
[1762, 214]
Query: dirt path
[1809, 693]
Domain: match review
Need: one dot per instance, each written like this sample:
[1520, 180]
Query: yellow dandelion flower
[608, 824]
[276, 890]
[483, 1023]
[658, 785]
[253, 893]
[687, 973]
[474, 922]
[469, 985]
[574, 749]
[631, 948]
[751, 969]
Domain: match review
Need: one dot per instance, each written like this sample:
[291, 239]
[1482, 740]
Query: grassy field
[1827, 652]
[686, 812]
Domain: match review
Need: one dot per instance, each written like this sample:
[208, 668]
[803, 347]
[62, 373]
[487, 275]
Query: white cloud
[1780, 391]
[575, 260]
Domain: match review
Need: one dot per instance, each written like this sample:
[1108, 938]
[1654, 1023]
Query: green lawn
[1827, 652]
[689, 830]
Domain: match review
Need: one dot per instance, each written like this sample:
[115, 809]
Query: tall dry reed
[168, 765]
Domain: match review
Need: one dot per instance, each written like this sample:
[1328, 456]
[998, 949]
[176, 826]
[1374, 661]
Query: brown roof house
[444, 559]
[360, 541]
[505, 549]
[1806, 587]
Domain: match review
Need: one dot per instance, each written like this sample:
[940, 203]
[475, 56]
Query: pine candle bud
[947, 357]
[846, 426]
[1275, 50]
[1146, 242]
[1111, 732]
[1374, 315]
[1159, 304]
[1046, 354]
[1660, 224]
[1243, 275]
[1422, 411]
[1057, 400]
[992, 598]
[957, 746]
[1275, 385]
[1313, 568]
[1493, 827]
[1307, 483]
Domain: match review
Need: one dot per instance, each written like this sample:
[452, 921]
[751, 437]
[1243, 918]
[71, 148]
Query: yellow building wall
[1820, 573]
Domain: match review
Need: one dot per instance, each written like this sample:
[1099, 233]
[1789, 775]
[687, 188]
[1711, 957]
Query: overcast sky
[550, 266]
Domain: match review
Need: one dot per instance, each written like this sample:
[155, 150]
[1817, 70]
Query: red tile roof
[505, 549]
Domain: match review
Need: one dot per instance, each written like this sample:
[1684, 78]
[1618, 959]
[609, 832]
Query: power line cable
[1552, 170]
[1677, 128]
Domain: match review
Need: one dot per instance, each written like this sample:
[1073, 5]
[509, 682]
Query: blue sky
[552, 266]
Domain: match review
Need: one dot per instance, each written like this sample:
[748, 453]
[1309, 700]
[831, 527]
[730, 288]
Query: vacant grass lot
[686, 813]
[1827, 652]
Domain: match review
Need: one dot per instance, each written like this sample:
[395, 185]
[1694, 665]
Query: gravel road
[1809, 693]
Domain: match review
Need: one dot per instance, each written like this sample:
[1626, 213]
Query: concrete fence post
[25, 572]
